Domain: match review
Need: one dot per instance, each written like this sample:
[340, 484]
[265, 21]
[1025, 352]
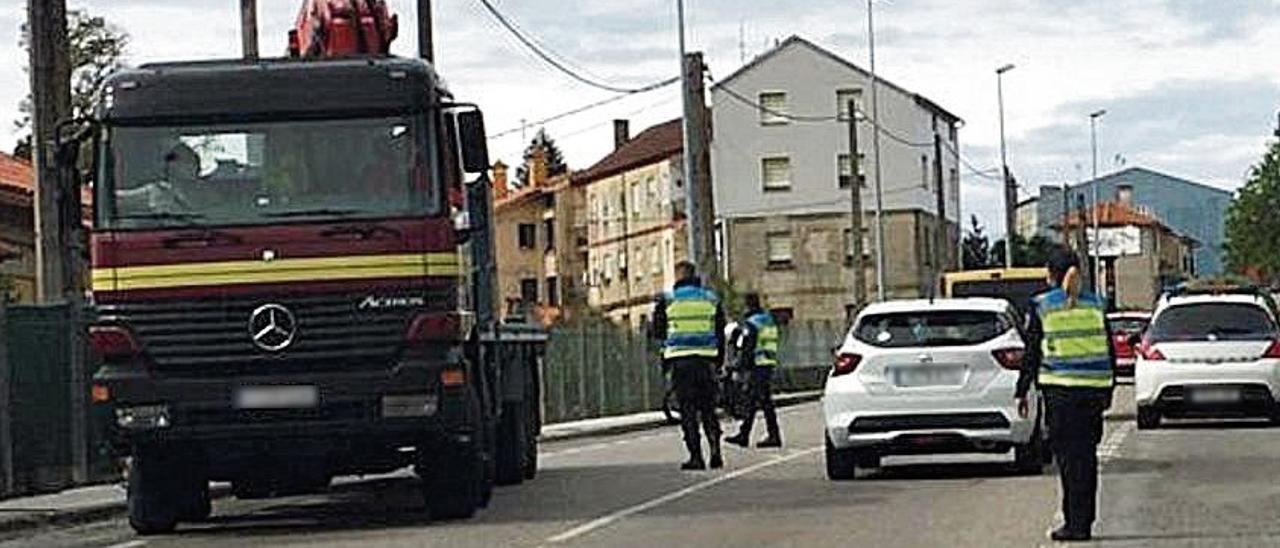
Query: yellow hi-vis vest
[766, 339]
[1075, 351]
[691, 323]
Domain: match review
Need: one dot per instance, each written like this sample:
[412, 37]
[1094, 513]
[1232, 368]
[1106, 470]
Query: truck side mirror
[474, 142]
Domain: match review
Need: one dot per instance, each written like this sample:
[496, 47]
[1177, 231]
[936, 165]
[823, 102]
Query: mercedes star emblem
[272, 327]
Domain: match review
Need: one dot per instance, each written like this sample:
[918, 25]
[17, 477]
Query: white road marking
[130, 544]
[620, 515]
[1110, 448]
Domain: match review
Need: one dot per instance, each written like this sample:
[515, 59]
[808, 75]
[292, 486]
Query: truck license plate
[277, 397]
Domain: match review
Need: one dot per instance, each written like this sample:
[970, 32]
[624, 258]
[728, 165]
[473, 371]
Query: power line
[550, 58]
[579, 110]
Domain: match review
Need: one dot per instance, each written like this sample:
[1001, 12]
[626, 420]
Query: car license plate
[277, 397]
[928, 376]
[1215, 395]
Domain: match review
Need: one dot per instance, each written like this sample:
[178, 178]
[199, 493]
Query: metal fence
[595, 369]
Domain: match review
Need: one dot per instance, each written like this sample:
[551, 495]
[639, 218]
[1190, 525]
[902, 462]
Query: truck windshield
[244, 174]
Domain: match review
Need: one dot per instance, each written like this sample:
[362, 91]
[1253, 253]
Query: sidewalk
[87, 504]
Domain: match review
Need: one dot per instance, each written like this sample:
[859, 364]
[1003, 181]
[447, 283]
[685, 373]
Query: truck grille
[211, 337]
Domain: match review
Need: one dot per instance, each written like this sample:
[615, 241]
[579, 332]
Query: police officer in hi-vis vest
[1069, 356]
[758, 357]
[690, 322]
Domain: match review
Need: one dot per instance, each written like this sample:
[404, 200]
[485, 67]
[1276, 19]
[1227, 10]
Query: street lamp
[1010, 194]
[875, 152]
[1093, 141]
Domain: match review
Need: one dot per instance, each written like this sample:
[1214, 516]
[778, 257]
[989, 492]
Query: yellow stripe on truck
[277, 271]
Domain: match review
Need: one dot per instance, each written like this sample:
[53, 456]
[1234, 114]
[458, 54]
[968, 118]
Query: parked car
[1209, 355]
[1124, 327]
[929, 377]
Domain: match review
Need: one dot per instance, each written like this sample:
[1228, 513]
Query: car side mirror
[474, 142]
[462, 226]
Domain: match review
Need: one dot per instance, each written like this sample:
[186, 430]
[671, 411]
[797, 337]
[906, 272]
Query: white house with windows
[781, 170]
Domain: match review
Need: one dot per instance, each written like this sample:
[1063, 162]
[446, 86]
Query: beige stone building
[17, 230]
[540, 245]
[634, 221]
[1140, 254]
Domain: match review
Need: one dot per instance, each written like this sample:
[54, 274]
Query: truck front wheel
[453, 481]
[154, 494]
[512, 444]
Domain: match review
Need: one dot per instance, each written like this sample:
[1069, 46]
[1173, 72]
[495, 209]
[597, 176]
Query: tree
[1253, 228]
[555, 159]
[977, 249]
[97, 49]
[1026, 253]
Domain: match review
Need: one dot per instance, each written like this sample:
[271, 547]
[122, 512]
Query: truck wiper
[187, 218]
[314, 212]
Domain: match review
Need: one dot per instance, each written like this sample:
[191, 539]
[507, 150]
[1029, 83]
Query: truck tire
[531, 457]
[453, 481]
[154, 493]
[512, 444]
[199, 504]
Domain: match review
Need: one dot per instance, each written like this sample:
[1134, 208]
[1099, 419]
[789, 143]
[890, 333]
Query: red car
[1123, 326]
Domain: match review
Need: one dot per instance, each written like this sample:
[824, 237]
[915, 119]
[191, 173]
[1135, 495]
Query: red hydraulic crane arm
[343, 28]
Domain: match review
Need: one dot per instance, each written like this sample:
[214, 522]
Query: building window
[843, 169]
[778, 248]
[773, 108]
[776, 172]
[553, 290]
[951, 132]
[954, 177]
[636, 200]
[848, 245]
[528, 235]
[1124, 194]
[927, 245]
[843, 97]
[549, 233]
[924, 170]
[655, 257]
[529, 290]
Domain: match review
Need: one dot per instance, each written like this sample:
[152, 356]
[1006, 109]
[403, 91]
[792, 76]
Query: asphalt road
[1196, 484]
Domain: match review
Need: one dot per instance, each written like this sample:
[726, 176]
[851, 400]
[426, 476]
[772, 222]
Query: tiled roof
[1114, 214]
[651, 145]
[16, 174]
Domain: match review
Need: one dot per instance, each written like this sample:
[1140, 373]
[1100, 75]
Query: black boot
[771, 442]
[717, 462]
[1065, 534]
[740, 440]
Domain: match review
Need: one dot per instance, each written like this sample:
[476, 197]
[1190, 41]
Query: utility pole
[940, 236]
[855, 214]
[249, 28]
[57, 204]
[702, 212]
[875, 152]
[426, 33]
[1082, 241]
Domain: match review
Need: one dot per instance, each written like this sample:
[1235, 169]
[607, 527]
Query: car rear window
[1128, 325]
[1212, 322]
[933, 328]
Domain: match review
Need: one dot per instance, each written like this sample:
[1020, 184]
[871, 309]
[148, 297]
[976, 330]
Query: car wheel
[1029, 458]
[1148, 418]
[840, 463]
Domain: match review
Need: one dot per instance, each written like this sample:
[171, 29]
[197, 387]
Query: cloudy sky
[1191, 86]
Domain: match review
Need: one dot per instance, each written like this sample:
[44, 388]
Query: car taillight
[845, 363]
[435, 327]
[113, 342]
[1273, 352]
[1010, 358]
[1149, 352]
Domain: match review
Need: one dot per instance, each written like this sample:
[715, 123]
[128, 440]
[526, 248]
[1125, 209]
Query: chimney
[500, 187]
[621, 133]
[537, 167]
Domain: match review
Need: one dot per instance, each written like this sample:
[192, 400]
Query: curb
[780, 400]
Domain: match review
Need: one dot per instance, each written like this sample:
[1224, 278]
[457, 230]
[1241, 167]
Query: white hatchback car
[1209, 356]
[929, 377]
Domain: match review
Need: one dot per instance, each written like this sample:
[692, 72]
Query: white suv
[929, 377]
[1210, 356]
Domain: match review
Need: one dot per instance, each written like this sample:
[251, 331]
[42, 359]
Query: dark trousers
[695, 384]
[1075, 430]
[760, 398]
